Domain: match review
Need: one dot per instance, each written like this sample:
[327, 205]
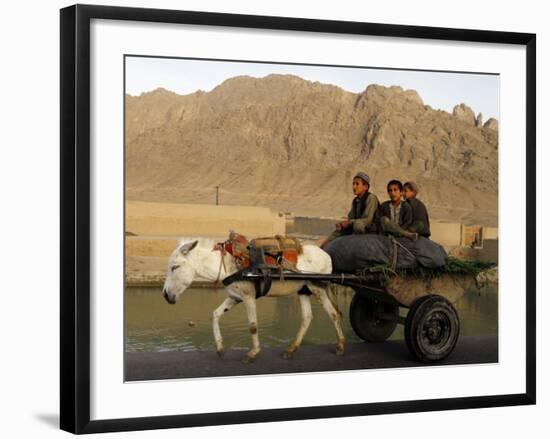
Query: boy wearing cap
[395, 215]
[363, 210]
[420, 220]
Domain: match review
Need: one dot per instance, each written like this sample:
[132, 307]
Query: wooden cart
[432, 324]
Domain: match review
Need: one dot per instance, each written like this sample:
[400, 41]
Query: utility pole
[217, 195]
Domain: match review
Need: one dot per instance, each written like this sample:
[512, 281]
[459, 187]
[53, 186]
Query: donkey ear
[186, 248]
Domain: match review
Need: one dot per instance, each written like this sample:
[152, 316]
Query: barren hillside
[293, 145]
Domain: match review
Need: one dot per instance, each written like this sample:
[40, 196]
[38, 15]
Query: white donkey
[189, 260]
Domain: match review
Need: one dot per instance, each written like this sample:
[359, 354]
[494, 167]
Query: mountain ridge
[294, 145]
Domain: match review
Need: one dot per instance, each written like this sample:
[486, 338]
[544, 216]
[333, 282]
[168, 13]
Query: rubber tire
[443, 317]
[365, 324]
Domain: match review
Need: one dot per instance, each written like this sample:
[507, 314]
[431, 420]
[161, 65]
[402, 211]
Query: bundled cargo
[355, 252]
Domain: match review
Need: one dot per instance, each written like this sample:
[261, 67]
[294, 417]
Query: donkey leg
[226, 305]
[334, 315]
[305, 305]
[250, 304]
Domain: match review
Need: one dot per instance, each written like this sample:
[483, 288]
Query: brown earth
[294, 145]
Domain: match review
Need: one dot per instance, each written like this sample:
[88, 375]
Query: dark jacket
[405, 215]
[363, 212]
[420, 213]
[362, 216]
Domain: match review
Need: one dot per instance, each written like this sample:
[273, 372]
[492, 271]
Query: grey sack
[355, 252]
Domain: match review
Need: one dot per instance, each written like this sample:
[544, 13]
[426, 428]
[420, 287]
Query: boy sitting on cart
[420, 220]
[361, 217]
[395, 216]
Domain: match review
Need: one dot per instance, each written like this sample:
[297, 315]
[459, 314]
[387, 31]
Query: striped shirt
[394, 213]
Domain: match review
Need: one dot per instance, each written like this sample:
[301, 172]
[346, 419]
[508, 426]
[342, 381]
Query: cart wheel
[432, 328]
[365, 321]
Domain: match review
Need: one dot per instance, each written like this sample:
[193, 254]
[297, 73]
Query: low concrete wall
[490, 233]
[446, 234]
[165, 219]
[312, 226]
[138, 246]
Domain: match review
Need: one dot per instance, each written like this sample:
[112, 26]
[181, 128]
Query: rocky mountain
[294, 145]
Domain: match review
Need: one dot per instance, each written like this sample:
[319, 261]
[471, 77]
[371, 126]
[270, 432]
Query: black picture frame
[75, 217]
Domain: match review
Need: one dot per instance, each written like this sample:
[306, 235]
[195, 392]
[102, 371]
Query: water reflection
[153, 325]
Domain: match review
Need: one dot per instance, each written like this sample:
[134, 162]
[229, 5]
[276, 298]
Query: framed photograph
[285, 218]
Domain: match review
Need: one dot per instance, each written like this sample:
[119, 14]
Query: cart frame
[432, 325]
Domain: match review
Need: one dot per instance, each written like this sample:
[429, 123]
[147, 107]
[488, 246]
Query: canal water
[152, 325]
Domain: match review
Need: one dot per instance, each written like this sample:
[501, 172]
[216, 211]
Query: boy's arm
[336, 233]
[407, 215]
[363, 224]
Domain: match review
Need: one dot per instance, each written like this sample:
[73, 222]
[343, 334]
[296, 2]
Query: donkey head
[181, 272]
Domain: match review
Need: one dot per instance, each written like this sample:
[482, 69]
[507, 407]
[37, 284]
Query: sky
[440, 90]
